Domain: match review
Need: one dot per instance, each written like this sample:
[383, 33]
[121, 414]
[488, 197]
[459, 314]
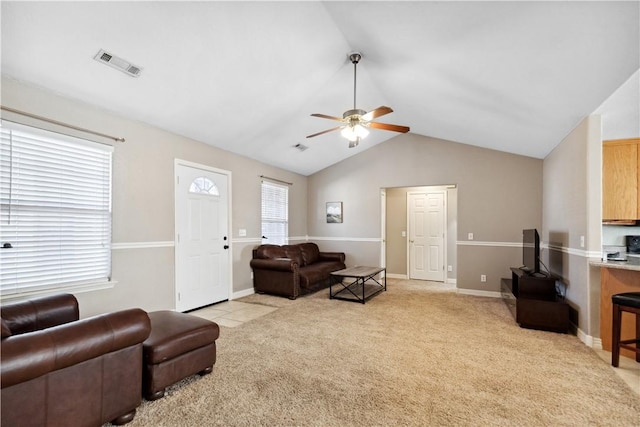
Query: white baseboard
[597, 343]
[478, 293]
[243, 293]
[588, 340]
[405, 277]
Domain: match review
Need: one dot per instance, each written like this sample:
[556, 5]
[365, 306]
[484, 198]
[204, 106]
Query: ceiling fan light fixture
[354, 132]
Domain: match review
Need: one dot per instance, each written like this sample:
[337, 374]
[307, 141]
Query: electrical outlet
[242, 232]
[470, 236]
[582, 241]
[450, 268]
[483, 277]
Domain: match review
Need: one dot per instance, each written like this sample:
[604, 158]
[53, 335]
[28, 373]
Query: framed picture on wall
[334, 212]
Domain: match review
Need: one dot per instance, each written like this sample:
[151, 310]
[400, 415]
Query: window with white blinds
[55, 211]
[275, 213]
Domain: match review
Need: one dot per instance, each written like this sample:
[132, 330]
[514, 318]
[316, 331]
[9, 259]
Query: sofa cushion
[293, 252]
[6, 332]
[310, 253]
[270, 252]
[313, 274]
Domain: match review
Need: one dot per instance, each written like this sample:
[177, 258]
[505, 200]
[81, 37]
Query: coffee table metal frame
[365, 282]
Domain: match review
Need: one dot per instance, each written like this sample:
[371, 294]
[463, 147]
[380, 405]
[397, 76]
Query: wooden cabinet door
[620, 192]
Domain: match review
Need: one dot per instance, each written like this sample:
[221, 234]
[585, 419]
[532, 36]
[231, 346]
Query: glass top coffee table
[357, 283]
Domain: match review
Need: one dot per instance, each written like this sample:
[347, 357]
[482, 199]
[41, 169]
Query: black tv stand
[534, 302]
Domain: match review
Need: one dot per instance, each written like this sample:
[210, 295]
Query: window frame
[272, 238]
[100, 215]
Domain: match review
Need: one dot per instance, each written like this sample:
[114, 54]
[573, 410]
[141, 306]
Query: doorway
[395, 232]
[202, 249]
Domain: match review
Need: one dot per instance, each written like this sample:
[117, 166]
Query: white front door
[202, 237]
[426, 235]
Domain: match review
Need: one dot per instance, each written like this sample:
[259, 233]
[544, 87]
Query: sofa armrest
[278, 264]
[40, 313]
[31, 355]
[332, 256]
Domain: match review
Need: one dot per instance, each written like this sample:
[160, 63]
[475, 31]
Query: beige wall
[396, 223]
[571, 209]
[143, 200]
[499, 194]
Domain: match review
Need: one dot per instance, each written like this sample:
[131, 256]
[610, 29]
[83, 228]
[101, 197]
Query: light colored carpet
[410, 356]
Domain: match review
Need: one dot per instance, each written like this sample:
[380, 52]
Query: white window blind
[55, 210]
[275, 213]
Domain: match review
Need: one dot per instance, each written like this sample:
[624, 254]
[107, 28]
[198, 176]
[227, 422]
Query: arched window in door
[203, 185]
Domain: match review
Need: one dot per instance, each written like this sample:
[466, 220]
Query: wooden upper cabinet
[620, 172]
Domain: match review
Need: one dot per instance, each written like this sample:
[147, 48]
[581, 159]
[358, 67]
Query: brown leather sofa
[57, 370]
[293, 270]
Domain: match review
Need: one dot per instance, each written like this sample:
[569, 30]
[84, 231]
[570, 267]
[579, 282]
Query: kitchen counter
[617, 277]
[632, 263]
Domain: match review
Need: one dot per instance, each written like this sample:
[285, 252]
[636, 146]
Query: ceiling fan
[355, 122]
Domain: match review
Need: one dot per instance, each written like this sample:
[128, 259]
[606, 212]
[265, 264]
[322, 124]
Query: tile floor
[233, 313]
[628, 369]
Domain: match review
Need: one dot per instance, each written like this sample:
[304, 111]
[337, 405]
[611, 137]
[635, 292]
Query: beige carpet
[408, 357]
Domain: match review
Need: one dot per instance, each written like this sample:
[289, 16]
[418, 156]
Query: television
[530, 251]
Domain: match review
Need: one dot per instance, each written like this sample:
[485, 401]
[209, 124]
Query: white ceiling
[245, 76]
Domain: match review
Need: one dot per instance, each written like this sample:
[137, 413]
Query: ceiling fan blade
[380, 111]
[324, 116]
[324, 131]
[385, 126]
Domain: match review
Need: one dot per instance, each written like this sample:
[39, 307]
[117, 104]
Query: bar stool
[629, 302]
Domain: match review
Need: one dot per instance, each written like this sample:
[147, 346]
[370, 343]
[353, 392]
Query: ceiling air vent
[118, 63]
[300, 147]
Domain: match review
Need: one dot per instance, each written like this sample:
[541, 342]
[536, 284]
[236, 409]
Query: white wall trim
[588, 340]
[346, 239]
[597, 343]
[397, 276]
[495, 244]
[243, 293]
[572, 251]
[452, 281]
[247, 240]
[72, 289]
[142, 245]
[479, 293]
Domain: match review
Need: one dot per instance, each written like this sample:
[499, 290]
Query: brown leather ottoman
[180, 345]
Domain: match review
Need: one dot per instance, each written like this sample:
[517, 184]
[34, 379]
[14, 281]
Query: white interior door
[202, 237]
[426, 235]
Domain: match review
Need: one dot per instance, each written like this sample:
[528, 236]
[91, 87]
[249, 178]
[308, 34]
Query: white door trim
[383, 228]
[180, 162]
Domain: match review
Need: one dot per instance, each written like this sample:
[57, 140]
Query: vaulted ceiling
[245, 76]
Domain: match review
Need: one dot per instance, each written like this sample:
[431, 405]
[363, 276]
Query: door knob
[226, 246]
